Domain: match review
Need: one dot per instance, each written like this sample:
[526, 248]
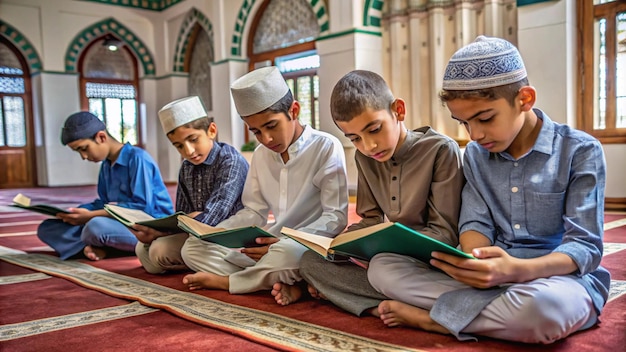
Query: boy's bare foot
[315, 293]
[395, 313]
[202, 280]
[285, 294]
[94, 253]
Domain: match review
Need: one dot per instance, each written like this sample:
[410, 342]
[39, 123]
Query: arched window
[109, 87]
[199, 67]
[283, 34]
[16, 135]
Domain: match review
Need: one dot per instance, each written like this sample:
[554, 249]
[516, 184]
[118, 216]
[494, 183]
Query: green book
[130, 217]
[23, 202]
[231, 238]
[389, 237]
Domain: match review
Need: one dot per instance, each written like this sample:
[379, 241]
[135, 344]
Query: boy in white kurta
[297, 173]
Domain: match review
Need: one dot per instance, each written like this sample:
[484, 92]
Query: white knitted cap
[258, 90]
[180, 112]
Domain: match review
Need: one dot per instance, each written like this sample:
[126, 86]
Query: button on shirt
[308, 193]
[213, 187]
[549, 200]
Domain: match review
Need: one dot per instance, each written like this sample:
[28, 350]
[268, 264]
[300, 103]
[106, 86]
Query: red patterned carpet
[50, 305]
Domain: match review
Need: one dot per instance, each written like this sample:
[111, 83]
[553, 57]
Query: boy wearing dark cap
[532, 214]
[128, 177]
[297, 173]
[210, 181]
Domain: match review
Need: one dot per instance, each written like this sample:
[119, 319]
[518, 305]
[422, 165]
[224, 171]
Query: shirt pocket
[544, 213]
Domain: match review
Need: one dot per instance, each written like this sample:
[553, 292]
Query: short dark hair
[507, 91]
[358, 91]
[282, 105]
[202, 124]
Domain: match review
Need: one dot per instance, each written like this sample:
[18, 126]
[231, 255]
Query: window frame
[587, 12]
[84, 100]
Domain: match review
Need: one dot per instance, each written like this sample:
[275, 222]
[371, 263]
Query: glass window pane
[15, 122]
[103, 90]
[291, 87]
[304, 97]
[129, 116]
[599, 119]
[620, 71]
[96, 107]
[13, 85]
[113, 108]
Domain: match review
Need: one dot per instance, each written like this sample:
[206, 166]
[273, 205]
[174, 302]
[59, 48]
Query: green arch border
[318, 6]
[109, 25]
[154, 5]
[193, 16]
[372, 13]
[24, 45]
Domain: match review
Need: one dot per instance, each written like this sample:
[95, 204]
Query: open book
[231, 238]
[129, 217]
[22, 201]
[388, 237]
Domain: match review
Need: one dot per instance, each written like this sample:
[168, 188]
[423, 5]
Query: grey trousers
[162, 254]
[538, 311]
[344, 284]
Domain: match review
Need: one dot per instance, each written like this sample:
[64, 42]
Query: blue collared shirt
[213, 187]
[132, 181]
[549, 200]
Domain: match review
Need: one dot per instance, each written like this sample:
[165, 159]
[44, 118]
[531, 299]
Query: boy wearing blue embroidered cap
[532, 213]
[297, 173]
[128, 177]
[210, 182]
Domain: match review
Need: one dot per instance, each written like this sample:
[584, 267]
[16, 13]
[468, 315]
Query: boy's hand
[495, 267]
[256, 253]
[146, 234]
[77, 216]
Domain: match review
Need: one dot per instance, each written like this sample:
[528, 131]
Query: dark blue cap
[81, 125]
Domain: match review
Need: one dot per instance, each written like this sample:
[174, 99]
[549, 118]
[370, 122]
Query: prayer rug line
[40, 326]
[263, 327]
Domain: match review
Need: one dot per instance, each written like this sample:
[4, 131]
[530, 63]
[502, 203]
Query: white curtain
[420, 36]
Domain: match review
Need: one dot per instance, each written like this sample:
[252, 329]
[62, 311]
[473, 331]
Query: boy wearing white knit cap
[210, 182]
[531, 214]
[297, 173]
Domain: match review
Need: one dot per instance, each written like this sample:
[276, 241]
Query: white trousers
[279, 264]
[538, 311]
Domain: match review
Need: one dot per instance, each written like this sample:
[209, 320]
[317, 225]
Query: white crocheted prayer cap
[258, 90]
[485, 63]
[180, 112]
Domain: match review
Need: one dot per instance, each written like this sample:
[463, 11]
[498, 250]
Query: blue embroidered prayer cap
[485, 63]
[81, 125]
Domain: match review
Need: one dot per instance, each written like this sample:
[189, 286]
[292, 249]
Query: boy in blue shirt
[210, 182]
[128, 177]
[532, 214]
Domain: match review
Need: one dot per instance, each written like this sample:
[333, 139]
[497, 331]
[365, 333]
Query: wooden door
[17, 162]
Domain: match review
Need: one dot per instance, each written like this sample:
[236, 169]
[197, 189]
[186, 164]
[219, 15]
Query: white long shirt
[308, 193]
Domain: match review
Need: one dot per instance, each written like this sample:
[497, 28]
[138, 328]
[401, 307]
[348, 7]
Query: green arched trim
[109, 25]
[182, 42]
[372, 13]
[23, 44]
[154, 5]
[318, 6]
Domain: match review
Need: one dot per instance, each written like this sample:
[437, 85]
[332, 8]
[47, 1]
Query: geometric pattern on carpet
[15, 279]
[618, 288]
[268, 328]
[40, 326]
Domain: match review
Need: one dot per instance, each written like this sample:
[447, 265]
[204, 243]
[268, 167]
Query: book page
[318, 243]
[196, 227]
[21, 200]
[356, 234]
[131, 215]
